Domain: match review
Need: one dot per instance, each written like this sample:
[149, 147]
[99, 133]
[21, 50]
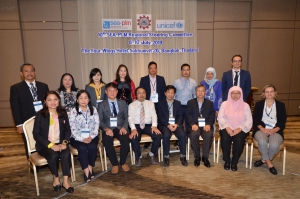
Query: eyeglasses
[237, 61]
[238, 93]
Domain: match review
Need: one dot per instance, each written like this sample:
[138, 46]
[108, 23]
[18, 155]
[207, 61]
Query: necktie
[34, 92]
[114, 109]
[142, 117]
[236, 78]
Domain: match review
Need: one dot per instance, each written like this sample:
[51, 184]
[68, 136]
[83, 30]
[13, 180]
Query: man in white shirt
[142, 119]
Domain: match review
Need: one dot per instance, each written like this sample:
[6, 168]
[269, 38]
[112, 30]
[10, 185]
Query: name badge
[37, 105]
[201, 122]
[154, 97]
[270, 124]
[171, 120]
[113, 122]
[98, 101]
[85, 133]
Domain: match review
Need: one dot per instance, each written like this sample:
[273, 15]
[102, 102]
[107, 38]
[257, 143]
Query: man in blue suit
[236, 77]
[169, 115]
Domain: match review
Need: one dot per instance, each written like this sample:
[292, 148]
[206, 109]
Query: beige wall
[266, 33]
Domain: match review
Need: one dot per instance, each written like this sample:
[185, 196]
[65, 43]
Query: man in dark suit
[169, 115]
[26, 98]
[236, 77]
[200, 115]
[113, 116]
[154, 86]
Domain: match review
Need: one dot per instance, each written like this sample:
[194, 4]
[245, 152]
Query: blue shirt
[185, 90]
[111, 105]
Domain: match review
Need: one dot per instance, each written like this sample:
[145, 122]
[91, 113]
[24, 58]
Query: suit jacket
[41, 130]
[192, 112]
[160, 86]
[105, 114]
[245, 83]
[163, 113]
[21, 100]
[280, 114]
[92, 93]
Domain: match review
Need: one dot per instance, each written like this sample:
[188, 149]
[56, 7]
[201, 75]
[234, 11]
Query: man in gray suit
[113, 115]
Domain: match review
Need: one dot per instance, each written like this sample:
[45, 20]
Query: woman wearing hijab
[269, 118]
[213, 88]
[235, 122]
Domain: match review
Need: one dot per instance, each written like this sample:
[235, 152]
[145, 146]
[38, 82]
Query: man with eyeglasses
[236, 77]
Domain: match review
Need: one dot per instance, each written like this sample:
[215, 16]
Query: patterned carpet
[156, 181]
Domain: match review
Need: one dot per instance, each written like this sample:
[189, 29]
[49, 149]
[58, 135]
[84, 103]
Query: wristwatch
[66, 142]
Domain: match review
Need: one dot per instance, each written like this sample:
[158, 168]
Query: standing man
[201, 118]
[154, 85]
[26, 98]
[113, 116]
[185, 87]
[142, 119]
[169, 115]
[236, 77]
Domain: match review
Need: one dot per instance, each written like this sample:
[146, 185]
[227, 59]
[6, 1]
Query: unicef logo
[179, 25]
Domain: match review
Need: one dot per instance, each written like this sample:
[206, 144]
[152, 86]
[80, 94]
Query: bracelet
[66, 142]
[50, 145]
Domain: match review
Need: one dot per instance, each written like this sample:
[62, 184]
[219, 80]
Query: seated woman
[84, 121]
[213, 88]
[235, 122]
[125, 85]
[52, 133]
[96, 87]
[67, 91]
[269, 118]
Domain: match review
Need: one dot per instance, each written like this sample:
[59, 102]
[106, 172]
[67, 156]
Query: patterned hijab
[211, 82]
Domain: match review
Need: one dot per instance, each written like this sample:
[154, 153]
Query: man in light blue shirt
[185, 89]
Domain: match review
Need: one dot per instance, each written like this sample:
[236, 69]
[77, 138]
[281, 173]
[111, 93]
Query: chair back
[28, 129]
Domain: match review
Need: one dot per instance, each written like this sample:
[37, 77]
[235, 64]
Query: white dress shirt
[135, 111]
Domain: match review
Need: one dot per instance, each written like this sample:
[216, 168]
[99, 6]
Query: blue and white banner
[170, 25]
[116, 24]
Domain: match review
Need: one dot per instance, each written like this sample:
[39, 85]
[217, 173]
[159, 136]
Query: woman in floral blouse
[67, 91]
[84, 122]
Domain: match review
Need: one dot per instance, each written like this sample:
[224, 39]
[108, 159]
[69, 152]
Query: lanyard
[201, 108]
[85, 117]
[170, 108]
[268, 114]
[153, 85]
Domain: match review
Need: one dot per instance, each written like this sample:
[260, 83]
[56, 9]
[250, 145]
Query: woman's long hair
[60, 110]
[93, 72]
[127, 77]
[89, 104]
[62, 88]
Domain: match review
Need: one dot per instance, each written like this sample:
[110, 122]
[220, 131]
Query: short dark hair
[89, 104]
[26, 64]
[152, 62]
[111, 84]
[61, 86]
[236, 56]
[185, 64]
[135, 91]
[93, 72]
[199, 86]
[169, 87]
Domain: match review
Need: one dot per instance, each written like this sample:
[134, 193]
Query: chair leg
[101, 157]
[36, 180]
[188, 149]
[251, 156]
[218, 150]
[105, 163]
[161, 149]
[28, 166]
[247, 155]
[284, 159]
[214, 149]
[159, 152]
[130, 151]
[72, 170]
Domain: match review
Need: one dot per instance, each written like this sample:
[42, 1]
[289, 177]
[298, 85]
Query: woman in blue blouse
[213, 88]
[84, 122]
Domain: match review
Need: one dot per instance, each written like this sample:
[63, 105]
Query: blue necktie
[114, 109]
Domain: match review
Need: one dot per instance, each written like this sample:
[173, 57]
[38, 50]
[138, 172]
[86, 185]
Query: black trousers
[207, 137]
[179, 133]
[25, 145]
[109, 146]
[135, 142]
[238, 145]
[87, 153]
[53, 158]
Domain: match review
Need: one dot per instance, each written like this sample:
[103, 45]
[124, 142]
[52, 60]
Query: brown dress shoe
[114, 169]
[125, 167]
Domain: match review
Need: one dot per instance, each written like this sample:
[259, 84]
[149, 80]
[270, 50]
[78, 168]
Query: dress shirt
[200, 106]
[84, 120]
[269, 113]
[233, 76]
[153, 84]
[185, 90]
[135, 110]
[170, 108]
[111, 106]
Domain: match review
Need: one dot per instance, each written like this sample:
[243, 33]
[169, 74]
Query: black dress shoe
[183, 161]
[258, 163]
[166, 162]
[197, 162]
[227, 165]
[70, 189]
[57, 188]
[206, 163]
[273, 170]
[234, 167]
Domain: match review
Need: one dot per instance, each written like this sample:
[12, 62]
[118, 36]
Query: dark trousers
[238, 145]
[207, 137]
[53, 158]
[87, 153]
[179, 133]
[25, 145]
[135, 142]
[108, 143]
[184, 121]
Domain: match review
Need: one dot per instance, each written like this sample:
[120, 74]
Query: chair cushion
[37, 159]
[73, 150]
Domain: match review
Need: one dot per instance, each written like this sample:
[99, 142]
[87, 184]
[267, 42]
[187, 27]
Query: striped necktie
[142, 117]
[34, 92]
